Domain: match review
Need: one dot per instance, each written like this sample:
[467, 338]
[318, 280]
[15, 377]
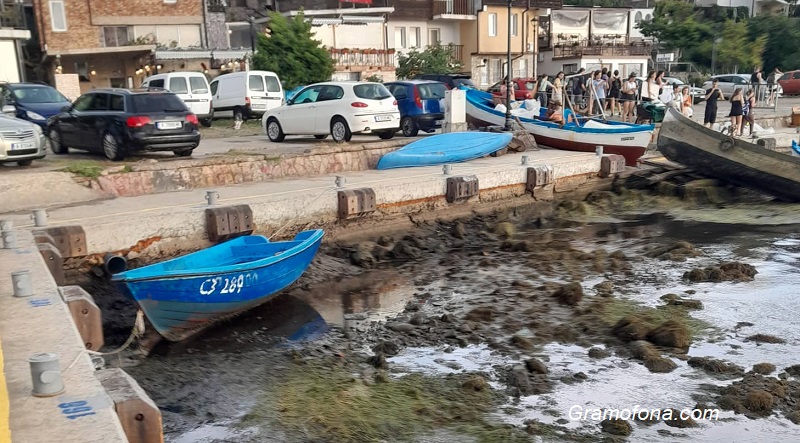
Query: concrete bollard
[39, 218]
[9, 239]
[46, 374]
[598, 151]
[447, 169]
[525, 160]
[211, 197]
[340, 181]
[6, 225]
[21, 280]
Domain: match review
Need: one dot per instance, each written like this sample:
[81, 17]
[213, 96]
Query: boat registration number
[227, 285]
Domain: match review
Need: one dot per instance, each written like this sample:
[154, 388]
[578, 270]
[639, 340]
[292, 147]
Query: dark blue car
[33, 102]
[421, 104]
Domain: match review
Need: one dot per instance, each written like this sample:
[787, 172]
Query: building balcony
[12, 15]
[362, 57]
[621, 47]
[455, 51]
[454, 10]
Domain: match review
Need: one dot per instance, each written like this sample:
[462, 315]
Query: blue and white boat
[445, 148]
[187, 294]
[795, 149]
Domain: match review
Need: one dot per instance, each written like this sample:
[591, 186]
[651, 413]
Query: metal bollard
[525, 160]
[46, 374]
[39, 218]
[9, 239]
[21, 281]
[6, 225]
[598, 151]
[211, 197]
[447, 169]
[340, 181]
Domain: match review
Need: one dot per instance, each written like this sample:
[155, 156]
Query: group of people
[742, 106]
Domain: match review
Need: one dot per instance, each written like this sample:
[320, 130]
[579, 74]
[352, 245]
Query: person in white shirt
[650, 88]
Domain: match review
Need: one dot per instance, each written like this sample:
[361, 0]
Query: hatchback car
[420, 103]
[340, 109]
[523, 88]
[20, 141]
[790, 82]
[33, 102]
[118, 122]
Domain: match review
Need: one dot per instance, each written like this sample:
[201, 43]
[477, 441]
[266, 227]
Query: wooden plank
[139, 415]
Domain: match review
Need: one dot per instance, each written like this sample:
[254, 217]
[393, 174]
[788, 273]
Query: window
[199, 85]
[413, 37]
[159, 83]
[637, 18]
[100, 103]
[433, 91]
[82, 103]
[515, 25]
[214, 86]
[330, 93]
[492, 25]
[484, 74]
[82, 69]
[308, 95]
[117, 103]
[434, 36]
[157, 102]
[272, 84]
[398, 91]
[399, 37]
[374, 91]
[796, 75]
[114, 36]
[34, 94]
[178, 85]
[58, 16]
[497, 69]
[570, 68]
[522, 69]
[255, 83]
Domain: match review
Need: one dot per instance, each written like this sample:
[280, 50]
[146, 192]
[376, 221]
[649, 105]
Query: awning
[182, 55]
[361, 19]
[227, 54]
[326, 21]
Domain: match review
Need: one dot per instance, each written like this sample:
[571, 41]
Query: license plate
[169, 125]
[22, 146]
[259, 106]
[383, 118]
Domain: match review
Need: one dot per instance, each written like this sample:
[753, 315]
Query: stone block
[87, 316]
[138, 414]
[355, 202]
[611, 164]
[226, 222]
[53, 260]
[70, 240]
[462, 187]
[538, 176]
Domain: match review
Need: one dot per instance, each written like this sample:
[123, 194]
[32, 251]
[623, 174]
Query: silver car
[729, 82]
[20, 141]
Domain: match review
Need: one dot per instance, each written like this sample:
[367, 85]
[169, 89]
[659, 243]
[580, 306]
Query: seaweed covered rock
[764, 368]
[679, 251]
[630, 328]
[569, 294]
[714, 366]
[728, 271]
[616, 426]
[671, 333]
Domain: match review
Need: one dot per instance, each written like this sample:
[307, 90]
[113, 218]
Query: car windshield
[43, 94]
[463, 81]
[199, 85]
[432, 91]
[529, 86]
[371, 91]
[157, 103]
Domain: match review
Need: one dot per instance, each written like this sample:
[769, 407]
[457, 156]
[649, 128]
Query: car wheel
[206, 122]
[56, 145]
[321, 136]
[386, 135]
[340, 131]
[112, 147]
[274, 131]
[409, 127]
[183, 152]
[25, 162]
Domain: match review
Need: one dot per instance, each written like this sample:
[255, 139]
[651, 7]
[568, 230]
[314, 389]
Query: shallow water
[769, 302]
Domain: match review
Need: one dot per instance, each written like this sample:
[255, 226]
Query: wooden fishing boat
[717, 155]
[187, 294]
[445, 148]
[626, 139]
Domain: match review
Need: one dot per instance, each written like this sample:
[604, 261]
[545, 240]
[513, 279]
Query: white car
[340, 109]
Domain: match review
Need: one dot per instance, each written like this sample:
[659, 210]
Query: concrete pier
[42, 323]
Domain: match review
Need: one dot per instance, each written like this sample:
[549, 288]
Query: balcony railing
[12, 15]
[599, 48]
[455, 51]
[363, 57]
[453, 7]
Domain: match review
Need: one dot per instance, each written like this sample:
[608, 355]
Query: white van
[246, 94]
[191, 87]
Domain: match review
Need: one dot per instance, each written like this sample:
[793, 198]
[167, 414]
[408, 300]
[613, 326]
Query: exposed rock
[569, 294]
[687, 303]
[604, 288]
[729, 271]
[671, 334]
[759, 401]
[482, 313]
[536, 366]
[764, 368]
[476, 383]
[459, 230]
[378, 361]
[418, 319]
[405, 249]
[630, 328]
[504, 230]
[660, 365]
[386, 347]
[714, 366]
[522, 342]
[677, 422]
[679, 251]
[794, 417]
[766, 338]
[518, 380]
[793, 370]
[399, 326]
[643, 350]
[616, 426]
[362, 255]
[596, 352]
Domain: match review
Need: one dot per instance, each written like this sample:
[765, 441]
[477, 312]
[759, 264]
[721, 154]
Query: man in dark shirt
[578, 88]
[712, 95]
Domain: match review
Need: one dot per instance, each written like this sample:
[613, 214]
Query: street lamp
[714, 44]
[509, 88]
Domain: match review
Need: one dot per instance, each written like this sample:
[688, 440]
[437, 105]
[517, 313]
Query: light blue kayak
[445, 148]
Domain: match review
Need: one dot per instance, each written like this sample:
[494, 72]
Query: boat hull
[445, 148]
[630, 145]
[717, 155]
[180, 306]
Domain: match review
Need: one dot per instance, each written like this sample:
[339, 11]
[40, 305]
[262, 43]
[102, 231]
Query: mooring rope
[137, 332]
[294, 219]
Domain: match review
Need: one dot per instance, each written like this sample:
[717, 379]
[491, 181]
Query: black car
[117, 122]
[452, 81]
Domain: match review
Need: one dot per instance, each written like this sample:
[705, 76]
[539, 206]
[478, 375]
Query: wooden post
[87, 316]
[138, 414]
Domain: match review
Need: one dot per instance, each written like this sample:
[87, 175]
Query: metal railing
[608, 48]
[453, 7]
[455, 50]
[362, 57]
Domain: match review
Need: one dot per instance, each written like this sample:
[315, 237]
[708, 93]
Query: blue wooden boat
[445, 148]
[187, 294]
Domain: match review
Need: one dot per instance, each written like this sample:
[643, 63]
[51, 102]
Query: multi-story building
[594, 38]
[114, 44]
[13, 34]
[486, 37]
[754, 7]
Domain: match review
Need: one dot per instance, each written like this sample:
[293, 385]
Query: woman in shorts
[628, 97]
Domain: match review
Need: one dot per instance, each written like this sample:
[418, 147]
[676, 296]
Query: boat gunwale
[313, 239]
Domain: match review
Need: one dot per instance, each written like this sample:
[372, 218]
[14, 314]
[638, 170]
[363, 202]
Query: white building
[594, 38]
[754, 7]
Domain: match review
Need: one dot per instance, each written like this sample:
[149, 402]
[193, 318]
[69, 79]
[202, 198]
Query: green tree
[736, 52]
[781, 48]
[680, 27]
[290, 50]
[433, 60]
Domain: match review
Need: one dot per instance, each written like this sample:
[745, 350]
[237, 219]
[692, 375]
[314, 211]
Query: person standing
[688, 102]
[747, 110]
[614, 92]
[712, 96]
[558, 87]
[772, 85]
[650, 88]
[629, 98]
[737, 110]
[754, 80]
[543, 85]
[578, 88]
[600, 87]
[661, 82]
